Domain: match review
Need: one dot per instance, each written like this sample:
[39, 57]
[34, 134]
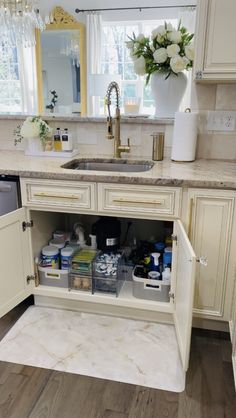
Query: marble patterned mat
[124, 350]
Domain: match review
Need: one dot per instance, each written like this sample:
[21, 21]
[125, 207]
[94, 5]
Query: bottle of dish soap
[57, 140]
[66, 141]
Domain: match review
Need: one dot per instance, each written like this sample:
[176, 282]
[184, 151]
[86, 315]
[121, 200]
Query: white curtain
[28, 79]
[94, 40]
[187, 16]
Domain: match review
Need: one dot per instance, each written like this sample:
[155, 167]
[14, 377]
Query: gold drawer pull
[148, 202]
[57, 196]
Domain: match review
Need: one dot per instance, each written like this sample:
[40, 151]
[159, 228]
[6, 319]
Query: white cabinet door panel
[15, 260]
[210, 237]
[184, 265]
[215, 28]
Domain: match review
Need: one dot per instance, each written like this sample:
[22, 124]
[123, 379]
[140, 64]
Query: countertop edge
[210, 184]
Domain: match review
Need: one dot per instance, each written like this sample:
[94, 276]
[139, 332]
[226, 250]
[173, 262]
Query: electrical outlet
[221, 120]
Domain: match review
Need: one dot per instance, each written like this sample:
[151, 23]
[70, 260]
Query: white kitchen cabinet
[16, 282]
[233, 331]
[210, 231]
[215, 35]
[16, 260]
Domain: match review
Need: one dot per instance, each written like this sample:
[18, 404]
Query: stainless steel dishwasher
[9, 194]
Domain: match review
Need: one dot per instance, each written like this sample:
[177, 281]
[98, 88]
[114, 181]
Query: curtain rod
[135, 8]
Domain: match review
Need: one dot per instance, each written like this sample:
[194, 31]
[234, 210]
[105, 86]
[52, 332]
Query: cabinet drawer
[141, 200]
[58, 194]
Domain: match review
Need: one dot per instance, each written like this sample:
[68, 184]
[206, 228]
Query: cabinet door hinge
[25, 225]
[29, 278]
[172, 296]
[198, 75]
[174, 238]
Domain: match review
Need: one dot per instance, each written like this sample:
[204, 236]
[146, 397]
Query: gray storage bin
[53, 277]
[148, 289]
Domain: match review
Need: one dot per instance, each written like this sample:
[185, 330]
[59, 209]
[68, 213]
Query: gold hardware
[118, 148]
[190, 218]
[148, 202]
[57, 196]
[158, 146]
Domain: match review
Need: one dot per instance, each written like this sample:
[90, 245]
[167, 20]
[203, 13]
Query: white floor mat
[124, 350]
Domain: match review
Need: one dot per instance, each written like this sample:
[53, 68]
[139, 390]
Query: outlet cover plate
[219, 120]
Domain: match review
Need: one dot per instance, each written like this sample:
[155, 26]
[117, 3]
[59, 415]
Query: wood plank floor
[29, 392]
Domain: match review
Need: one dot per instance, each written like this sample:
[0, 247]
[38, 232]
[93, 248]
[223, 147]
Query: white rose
[177, 64]
[160, 55]
[30, 129]
[160, 32]
[174, 36]
[189, 52]
[140, 37]
[172, 50]
[139, 66]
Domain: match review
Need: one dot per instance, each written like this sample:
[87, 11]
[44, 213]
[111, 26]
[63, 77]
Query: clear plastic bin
[80, 282]
[107, 273]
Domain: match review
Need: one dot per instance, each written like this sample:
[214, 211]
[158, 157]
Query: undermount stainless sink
[97, 164]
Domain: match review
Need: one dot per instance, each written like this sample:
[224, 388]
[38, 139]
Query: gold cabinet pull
[148, 202]
[190, 218]
[56, 196]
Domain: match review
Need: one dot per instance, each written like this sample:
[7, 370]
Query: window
[10, 88]
[116, 60]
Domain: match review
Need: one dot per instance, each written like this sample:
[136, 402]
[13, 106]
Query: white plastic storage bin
[53, 277]
[149, 289]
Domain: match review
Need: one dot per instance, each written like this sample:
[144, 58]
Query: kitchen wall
[90, 135]
[207, 97]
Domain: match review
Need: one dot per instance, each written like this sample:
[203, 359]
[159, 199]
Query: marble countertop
[92, 119]
[200, 173]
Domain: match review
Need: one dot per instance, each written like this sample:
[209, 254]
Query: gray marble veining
[124, 350]
[200, 173]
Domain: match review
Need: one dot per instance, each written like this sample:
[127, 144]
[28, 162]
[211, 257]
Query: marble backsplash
[89, 135]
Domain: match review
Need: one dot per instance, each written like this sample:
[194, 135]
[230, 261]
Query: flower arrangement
[33, 127]
[167, 51]
[54, 100]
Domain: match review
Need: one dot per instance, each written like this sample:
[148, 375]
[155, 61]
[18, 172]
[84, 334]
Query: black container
[107, 231]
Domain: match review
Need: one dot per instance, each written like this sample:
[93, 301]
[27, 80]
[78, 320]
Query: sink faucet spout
[118, 148]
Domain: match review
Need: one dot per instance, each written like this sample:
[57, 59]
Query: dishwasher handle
[5, 188]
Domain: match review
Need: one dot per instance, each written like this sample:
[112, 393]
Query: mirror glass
[60, 55]
[61, 65]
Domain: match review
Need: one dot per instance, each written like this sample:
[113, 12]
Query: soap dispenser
[158, 146]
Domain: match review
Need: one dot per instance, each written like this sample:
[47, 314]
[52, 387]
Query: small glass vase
[34, 146]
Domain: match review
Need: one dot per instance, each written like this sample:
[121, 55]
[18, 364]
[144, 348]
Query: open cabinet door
[15, 260]
[184, 265]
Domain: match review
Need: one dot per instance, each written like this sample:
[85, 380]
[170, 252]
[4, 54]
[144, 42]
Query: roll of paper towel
[184, 136]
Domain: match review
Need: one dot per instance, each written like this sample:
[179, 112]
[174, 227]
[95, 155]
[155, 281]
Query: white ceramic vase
[34, 146]
[167, 93]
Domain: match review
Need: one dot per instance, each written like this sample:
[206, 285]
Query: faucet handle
[109, 128]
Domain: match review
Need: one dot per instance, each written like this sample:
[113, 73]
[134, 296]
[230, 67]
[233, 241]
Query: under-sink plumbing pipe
[79, 232]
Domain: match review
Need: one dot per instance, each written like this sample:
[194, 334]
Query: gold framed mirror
[61, 65]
